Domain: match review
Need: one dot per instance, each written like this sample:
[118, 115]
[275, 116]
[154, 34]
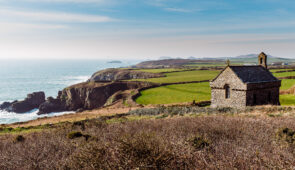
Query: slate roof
[253, 74]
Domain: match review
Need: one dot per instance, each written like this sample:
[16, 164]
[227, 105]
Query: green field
[161, 70]
[206, 65]
[212, 64]
[176, 94]
[187, 93]
[194, 91]
[275, 70]
[287, 83]
[186, 76]
[287, 100]
[284, 74]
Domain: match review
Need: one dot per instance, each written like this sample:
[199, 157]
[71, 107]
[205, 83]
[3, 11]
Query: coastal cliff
[86, 96]
[32, 101]
[89, 95]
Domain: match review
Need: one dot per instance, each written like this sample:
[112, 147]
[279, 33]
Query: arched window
[227, 91]
[261, 60]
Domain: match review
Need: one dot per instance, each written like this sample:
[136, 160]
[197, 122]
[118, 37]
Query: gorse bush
[92, 155]
[73, 135]
[19, 138]
[145, 150]
[180, 110]
[287, 135]
[199, 142]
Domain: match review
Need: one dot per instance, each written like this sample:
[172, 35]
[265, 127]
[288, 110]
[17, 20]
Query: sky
[145, 29]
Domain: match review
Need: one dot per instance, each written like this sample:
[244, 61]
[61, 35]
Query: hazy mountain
[192, 58]
[252, 56]
[165, 58]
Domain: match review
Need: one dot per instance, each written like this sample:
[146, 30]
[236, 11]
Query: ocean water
[20, 77]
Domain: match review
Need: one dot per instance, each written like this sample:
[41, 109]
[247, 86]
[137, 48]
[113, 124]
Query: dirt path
[73, 117]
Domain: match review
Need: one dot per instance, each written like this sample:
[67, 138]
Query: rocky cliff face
[121, 74]
[32, 101]
[86, 96]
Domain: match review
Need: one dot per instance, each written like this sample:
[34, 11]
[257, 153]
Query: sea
[20, 77]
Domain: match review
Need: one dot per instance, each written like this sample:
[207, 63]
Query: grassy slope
[185, 76]
[176, 94]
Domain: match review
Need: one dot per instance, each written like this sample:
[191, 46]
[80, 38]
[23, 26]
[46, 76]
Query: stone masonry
[241, 86]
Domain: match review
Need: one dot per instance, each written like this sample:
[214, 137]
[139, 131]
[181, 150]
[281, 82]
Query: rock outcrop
[86, 96]
[121, 74]
[52, 105]
[33, 101]
[6, 105]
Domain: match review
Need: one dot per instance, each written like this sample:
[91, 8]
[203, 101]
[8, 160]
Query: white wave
[76, 79]
[69, 80]
[10, 117]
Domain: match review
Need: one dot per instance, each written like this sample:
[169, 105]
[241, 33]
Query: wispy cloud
[11, 26]
[178, 10]
[54, 16]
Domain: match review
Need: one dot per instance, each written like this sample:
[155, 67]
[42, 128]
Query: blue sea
[20, 77]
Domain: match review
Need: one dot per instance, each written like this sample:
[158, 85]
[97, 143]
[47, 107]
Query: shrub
[87, 137]
[19, 138]
[199, 142]
[162, 116]
[144, 150]
[73, 135]
[181, 110]
[287, 135]
[90, 156]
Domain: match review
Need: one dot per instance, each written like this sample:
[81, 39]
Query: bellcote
[262, 60]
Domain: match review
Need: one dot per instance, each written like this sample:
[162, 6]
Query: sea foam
[10, 117]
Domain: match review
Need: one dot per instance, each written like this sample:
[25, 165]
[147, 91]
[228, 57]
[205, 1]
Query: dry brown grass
[242, 142]
[289, 91]
[74, 117]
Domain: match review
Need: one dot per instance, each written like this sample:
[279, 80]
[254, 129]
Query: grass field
[287, 83]
[176, 94]
[195, 91]
[211, 64]
[206, 65]
[161, 70]
[284, 74]
[287, 100]
[275, 70]
[185, 76]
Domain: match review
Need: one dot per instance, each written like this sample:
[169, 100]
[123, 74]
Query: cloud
[54, 16]
[10, 26]
[178, 10]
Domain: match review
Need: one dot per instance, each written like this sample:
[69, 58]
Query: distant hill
[165, 58]
[172, 63]
[241, 59]
[252, 58]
